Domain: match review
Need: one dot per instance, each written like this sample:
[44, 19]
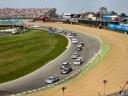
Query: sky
[69, 6]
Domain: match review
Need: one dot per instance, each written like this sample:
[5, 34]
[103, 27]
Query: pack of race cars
[77, 60]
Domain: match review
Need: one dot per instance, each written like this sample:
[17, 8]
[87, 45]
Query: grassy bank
[3, 28]
[23, 53]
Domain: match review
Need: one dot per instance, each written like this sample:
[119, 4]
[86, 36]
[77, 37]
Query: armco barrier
[122, 28]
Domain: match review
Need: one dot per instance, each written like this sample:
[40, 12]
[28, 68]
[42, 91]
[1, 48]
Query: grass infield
[23, 53]
[4, 28]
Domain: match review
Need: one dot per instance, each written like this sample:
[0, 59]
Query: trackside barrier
[13, 21]
[120, 27]
[72, 75]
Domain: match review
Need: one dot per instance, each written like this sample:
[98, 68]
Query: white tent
[9, 31]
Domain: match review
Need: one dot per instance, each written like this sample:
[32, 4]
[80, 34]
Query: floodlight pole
[63, 90]
[105, 82]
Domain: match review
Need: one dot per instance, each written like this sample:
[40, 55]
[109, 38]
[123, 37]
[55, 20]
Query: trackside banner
[13, 21]
[118, 27]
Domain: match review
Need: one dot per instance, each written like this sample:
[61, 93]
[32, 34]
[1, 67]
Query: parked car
[78, 61]
[52, 79]
[74, 41]
[65, 65]
[74, 38]
[75, 52]
[74, 56]
[81, 43]
[79, 48]
[59, 30]
[74, 34]
[54, 29]
[66, 70]
[64, 32]
[36, 26]
[69, 34]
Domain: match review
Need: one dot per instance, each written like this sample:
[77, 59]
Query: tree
[97, 14]
[123, 15]
[113, 13]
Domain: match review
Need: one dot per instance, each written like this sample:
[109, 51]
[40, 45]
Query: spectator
[23, 12]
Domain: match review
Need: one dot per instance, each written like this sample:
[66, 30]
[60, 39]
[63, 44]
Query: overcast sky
[69, 6]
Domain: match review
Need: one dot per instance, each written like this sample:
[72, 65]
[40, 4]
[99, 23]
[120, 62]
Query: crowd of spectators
[23, 12]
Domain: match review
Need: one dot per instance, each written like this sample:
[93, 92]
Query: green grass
[23, 53]
[3, 28]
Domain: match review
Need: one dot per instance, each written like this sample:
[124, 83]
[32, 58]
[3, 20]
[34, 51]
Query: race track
[36, 79]
[114, 66]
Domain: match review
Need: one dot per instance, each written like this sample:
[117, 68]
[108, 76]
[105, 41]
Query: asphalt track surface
[1, 34]
[120, 93]
[36, 79]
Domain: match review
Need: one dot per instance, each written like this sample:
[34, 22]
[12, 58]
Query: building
[89, 16]
[103, 11]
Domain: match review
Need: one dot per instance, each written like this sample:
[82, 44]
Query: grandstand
[15, 16]
[29, 13]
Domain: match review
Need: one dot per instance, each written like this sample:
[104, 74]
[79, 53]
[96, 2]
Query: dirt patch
[114, 67]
